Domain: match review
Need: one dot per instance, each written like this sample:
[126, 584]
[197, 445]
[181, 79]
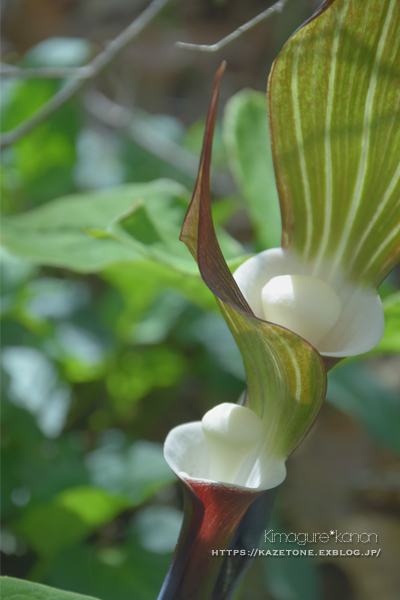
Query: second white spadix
[231, 433]
[304, 304]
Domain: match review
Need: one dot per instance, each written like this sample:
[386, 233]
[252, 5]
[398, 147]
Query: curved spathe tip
[186, 452]
[361, 324]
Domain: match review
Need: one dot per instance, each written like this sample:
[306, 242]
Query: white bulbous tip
[231, 432]
[304, 304]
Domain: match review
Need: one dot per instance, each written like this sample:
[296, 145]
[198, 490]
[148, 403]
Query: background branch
[137, 125]
[97, 65]
[278, 7]
[80, 75]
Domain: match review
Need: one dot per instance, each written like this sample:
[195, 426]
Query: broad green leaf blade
[246, 133]
[334, 97]
[17, 589]
[120, 571]
[285, 375]
[87, 232]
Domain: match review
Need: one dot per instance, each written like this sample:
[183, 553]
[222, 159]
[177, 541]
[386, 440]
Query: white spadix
[231, 432]
[302, 303]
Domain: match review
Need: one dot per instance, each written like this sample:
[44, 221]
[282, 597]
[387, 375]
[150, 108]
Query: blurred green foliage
[110, 339]
[25, 589]
[40, 166]
[247, 139]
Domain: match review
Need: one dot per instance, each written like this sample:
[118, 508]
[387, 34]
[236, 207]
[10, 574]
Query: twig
[97, 65]
[278, 7]
[138, 127]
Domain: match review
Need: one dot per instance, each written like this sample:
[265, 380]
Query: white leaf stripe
[336, 139]
[395, 181]
[255, 402]
[293, 359]
[395, 233]
[363, 163]
[328, 149]
[317, 155]
[384, 156]
[297, 119]
[280, 342]
[381, 151]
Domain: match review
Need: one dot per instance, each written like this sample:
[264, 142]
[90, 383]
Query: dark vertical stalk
[247, 537]
[196, 564]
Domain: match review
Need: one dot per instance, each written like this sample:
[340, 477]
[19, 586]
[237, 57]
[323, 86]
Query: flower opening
[359, 326]
[191, 456]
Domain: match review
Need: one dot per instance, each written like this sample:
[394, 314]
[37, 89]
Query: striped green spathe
[334, 97]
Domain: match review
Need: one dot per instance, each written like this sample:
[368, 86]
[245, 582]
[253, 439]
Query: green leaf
[246, 134]
[335, 132]
[69, 518]
[29, 175]
[285, 375]
[16, 589]
[138, 372]
[390, 343]
[56, 234]
[87, 232]
[356, 392]
[48, 528]
[118, 571]
[141, 284]
[94, 506]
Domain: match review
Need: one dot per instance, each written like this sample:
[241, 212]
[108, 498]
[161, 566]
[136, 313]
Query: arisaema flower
[237, 452]
[334, 100]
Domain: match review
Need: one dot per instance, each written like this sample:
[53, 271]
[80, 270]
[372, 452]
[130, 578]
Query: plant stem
[224, 508]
